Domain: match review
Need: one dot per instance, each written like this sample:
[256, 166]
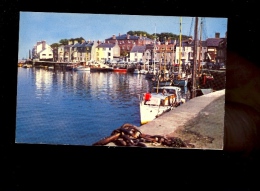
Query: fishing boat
[159, 101]
[202, 79]
[119, 69]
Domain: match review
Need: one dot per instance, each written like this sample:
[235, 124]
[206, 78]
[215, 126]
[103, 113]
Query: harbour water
[75, 107]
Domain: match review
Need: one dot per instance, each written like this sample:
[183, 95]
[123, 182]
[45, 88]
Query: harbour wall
[192, 111]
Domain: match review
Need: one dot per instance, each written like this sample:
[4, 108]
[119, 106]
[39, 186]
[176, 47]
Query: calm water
[75, 107]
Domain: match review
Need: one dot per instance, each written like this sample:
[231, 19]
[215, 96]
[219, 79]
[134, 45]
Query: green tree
[55, 45]
[123, 53]
[63, 41]
[159, 36]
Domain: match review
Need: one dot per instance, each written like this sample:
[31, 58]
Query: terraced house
[76, 52]
[126, 43]
[84, 52]
[107, 51]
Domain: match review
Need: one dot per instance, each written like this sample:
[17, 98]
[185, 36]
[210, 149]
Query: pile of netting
[130, 135]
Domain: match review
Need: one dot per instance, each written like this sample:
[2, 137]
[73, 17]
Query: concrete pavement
[200, 121]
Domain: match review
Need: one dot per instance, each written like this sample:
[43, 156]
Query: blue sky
[52, 27]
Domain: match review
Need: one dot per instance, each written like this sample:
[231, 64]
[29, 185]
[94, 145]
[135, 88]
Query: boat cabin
[163, 96]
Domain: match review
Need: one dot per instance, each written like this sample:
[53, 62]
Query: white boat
[136, 71]
[154, 104]
[82, 68]
[143, 71]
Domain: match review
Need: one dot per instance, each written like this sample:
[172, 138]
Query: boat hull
[158, 103]
[119, 70]
[150, 112]
[180, 82]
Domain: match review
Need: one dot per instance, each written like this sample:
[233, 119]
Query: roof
[185, 43]
[213, 41]
[76, 45]
[131, 37]
[106, 45]
[138, 49]
[86, 44]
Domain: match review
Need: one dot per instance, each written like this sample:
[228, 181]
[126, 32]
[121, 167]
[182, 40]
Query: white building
[137, 54]
[42, 51]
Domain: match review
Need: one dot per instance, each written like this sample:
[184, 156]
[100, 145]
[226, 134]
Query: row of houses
[133, 48]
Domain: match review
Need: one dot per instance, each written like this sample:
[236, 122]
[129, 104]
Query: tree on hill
[159, 36]
[55, 45]
[66, 42]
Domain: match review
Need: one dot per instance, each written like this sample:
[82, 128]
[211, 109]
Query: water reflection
[75, 107]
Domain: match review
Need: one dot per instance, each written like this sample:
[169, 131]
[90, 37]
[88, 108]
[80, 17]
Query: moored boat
[118, 69]
[27, 65]
[82, 68]
[159, 101]
[136, 71]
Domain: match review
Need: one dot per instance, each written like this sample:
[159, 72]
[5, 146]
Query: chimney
[43, 44]
[119, 34]
[128, 36]
[114, 36]
[217, 34]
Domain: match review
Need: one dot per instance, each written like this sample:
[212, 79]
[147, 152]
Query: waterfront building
[165, 51]
[127, 41]
[107, 51]
[89, 50]
[42, 51]
[137, 54]
[216, 49]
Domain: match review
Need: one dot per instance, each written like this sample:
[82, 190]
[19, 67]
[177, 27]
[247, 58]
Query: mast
[180, 69]
[154, 52]
[194, 68]
[200, 46]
